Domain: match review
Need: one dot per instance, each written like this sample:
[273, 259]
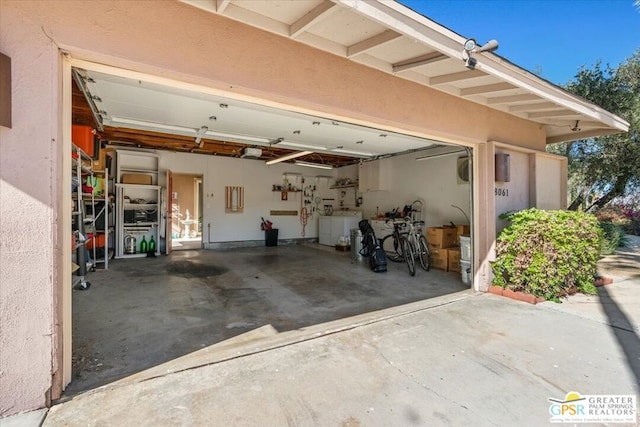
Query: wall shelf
[335, 187]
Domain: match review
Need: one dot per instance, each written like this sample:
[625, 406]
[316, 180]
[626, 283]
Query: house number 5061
[503, 192]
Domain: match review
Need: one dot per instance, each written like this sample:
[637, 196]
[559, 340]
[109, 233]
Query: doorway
[186, 211]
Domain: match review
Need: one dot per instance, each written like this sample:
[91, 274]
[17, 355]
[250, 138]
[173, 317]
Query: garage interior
[142, 312]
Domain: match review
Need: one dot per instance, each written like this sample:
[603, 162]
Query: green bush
[612, 237]
[548, 253]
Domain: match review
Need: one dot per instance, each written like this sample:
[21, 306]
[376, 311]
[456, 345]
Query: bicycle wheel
[424, 253]
[392, 248]
[408, 255]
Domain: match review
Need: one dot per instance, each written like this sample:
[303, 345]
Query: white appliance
[337, 225]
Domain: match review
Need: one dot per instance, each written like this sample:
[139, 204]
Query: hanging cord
[304, 217]
[304, 214]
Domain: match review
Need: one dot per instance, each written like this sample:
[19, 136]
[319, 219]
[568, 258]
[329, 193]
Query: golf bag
[371, 248]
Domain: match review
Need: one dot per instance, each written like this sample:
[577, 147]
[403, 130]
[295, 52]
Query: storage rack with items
[138, 202]
[345, 185]
[137, 219]
[101, 205]
[80, 217]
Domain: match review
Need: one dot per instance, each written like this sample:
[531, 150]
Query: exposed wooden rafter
[420, 61]
[313, 16]
[372, 42]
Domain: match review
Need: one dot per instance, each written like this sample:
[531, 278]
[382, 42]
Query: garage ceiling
[138, 113]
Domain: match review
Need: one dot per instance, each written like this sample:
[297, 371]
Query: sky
[552, 38]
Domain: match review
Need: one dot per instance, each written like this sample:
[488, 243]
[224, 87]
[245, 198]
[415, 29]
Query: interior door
[169, 214]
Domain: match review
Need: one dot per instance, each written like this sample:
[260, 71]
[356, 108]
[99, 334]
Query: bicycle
[391, 243]
[413, 244]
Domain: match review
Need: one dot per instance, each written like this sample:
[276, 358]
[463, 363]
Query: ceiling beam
[496, 87]
[372, 42]
[533, 107]
[221, 5]
[315, 15]
[581, 135]
[553, 113]
[513, 98]
[419, 61]
[455, 77]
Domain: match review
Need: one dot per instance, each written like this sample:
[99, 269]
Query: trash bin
[356, 244]
[271, 237]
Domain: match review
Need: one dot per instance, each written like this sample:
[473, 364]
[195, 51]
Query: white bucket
[465, 271]
[465, 248]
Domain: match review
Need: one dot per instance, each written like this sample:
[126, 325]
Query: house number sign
[502, 192]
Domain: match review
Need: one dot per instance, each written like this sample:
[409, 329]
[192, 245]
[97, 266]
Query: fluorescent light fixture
[289, 157]
[203, 130]
[305, 146]
[435, 156]
[313, 165]
[353, 153]
[235, 137]
[153, 125]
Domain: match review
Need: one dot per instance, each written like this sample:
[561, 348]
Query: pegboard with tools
[311, 199]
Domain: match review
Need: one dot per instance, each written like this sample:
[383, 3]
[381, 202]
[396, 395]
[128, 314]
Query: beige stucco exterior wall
[173, 40]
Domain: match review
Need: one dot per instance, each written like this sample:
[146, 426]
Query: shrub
[627, 216]
[612, 237]
[548, 253]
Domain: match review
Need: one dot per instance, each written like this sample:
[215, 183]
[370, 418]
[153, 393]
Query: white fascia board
[405, 21]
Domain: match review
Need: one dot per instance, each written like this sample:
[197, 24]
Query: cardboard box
[454, 259]
[101, 163]
[439, 258]
[136, 178]
[441, 237]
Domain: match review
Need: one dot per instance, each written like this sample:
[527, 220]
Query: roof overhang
[390, 37]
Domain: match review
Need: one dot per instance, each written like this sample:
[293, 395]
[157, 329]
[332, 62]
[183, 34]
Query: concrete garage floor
[144, 312]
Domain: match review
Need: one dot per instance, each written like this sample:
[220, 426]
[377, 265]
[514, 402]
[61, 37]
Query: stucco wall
[177, 41]
[514, 194]
[27, 216]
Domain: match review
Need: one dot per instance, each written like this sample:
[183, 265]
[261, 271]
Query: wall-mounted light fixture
[470, 46]
[5, 91]
[503, 170]
[313, 165]
[289, 157]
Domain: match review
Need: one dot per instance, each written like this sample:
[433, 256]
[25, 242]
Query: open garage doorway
[142, 312]
[185, 226]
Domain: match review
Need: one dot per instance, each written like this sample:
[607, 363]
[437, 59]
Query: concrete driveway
[459, 359]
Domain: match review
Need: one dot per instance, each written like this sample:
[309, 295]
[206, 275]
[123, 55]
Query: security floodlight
[470, 46]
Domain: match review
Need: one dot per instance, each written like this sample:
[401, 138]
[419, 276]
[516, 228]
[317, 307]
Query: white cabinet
[333, 227]
[374, 176]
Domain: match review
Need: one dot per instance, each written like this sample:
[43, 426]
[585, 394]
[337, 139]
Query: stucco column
[484, 214]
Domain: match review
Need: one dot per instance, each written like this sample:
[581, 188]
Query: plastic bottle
[143, 245]
[152, 246]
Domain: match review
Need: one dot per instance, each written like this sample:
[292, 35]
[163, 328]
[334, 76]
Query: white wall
[259, 198]
[549, 171]
[434, 181]
[513, 195]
